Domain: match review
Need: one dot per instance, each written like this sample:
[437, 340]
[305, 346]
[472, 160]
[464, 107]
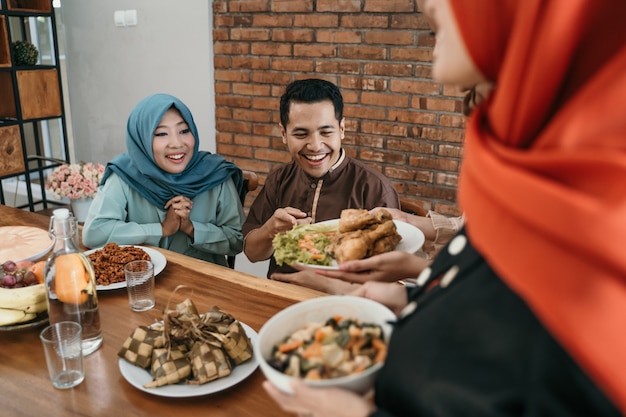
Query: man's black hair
[311, 90]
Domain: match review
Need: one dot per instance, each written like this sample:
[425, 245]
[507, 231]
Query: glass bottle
[71, 283]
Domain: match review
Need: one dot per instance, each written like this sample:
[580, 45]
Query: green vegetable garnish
[304, 243]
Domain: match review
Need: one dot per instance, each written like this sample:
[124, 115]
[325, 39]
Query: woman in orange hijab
[524, 312]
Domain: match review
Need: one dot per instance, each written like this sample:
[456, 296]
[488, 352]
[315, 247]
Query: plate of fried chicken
[357, 234]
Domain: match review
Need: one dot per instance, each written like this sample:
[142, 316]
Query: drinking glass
[62, 343]
[140, 284]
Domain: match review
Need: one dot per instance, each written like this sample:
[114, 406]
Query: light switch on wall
[130, 17]
[119, 18]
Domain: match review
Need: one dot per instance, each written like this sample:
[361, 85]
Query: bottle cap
[61, 213]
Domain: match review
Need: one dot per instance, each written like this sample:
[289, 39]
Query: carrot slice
[320, 334]
[354, 331]
[289, 346]
[314, 350]
[357, 345]
[313, 374]
[381, 350]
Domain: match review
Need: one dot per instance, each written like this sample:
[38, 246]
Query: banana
[21, 298]
[37, 308]
[12, 316]
[18, 305]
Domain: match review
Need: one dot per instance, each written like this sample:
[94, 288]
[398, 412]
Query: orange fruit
[70, 280]
[37, 269]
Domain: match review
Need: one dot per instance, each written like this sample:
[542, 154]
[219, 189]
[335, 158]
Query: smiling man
[320, 181]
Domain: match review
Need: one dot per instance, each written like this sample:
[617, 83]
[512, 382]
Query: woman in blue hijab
[165, 192]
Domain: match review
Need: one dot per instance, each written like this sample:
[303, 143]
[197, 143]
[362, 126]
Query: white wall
[110, 68]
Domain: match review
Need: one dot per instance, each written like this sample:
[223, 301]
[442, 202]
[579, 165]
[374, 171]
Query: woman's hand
[320, 402]
[178, 211]
[393, 295]
[171, 224]
[389, 267]
[308, 278]
[181, 205]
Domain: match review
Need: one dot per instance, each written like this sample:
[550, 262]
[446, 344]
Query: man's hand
[284, 219]
[258, 243]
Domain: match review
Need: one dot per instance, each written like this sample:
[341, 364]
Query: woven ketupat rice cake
[236, 343]
[188, 347]
[207, 363]
[169, 366]
[138, 347]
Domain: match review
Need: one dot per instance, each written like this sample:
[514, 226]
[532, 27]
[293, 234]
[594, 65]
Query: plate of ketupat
[194, 355]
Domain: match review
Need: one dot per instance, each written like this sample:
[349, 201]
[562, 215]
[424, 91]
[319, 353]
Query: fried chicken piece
[380, 230]
[350, 245]
[355, 219]
[379, 237]
[385, 244]
[383, 215]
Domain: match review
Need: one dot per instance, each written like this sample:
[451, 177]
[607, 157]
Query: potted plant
[25, 53]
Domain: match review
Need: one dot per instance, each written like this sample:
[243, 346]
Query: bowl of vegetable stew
[333, 341]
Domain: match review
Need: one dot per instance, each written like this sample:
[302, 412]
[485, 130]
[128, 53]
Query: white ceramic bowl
[285, 322]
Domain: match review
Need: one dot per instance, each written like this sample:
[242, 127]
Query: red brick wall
[398, 120]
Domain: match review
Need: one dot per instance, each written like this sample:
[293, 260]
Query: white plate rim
[412, 241]
[137, 376]
[157, 258]
[35, 256]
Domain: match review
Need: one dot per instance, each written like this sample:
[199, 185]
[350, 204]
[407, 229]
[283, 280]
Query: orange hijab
[543, 182]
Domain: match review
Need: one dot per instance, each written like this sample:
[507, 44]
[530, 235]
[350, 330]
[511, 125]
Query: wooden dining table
[26, 389]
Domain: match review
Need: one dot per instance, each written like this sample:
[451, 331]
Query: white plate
[157, 258]
[412, 241]
[138, 377]
[23, 243]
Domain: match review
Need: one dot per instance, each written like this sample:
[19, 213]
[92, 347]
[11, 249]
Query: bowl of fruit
[22, 293]
[337, 341]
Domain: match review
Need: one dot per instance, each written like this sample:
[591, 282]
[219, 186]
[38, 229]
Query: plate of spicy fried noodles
[109, 261]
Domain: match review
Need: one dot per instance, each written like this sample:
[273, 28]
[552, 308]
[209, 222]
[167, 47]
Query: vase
[80, 208]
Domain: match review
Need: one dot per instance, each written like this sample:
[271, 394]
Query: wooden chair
[250, 183]
[250, 180]
[412, 207]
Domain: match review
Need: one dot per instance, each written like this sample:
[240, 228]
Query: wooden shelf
[5, 51]
[7, 99]
[30, 98]
[43, 6]
[11, 153]
[39, 93]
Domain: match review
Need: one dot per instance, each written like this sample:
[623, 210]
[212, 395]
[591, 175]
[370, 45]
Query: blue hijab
[138, 168]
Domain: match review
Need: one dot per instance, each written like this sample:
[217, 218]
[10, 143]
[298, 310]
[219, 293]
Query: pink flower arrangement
[75, 181]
